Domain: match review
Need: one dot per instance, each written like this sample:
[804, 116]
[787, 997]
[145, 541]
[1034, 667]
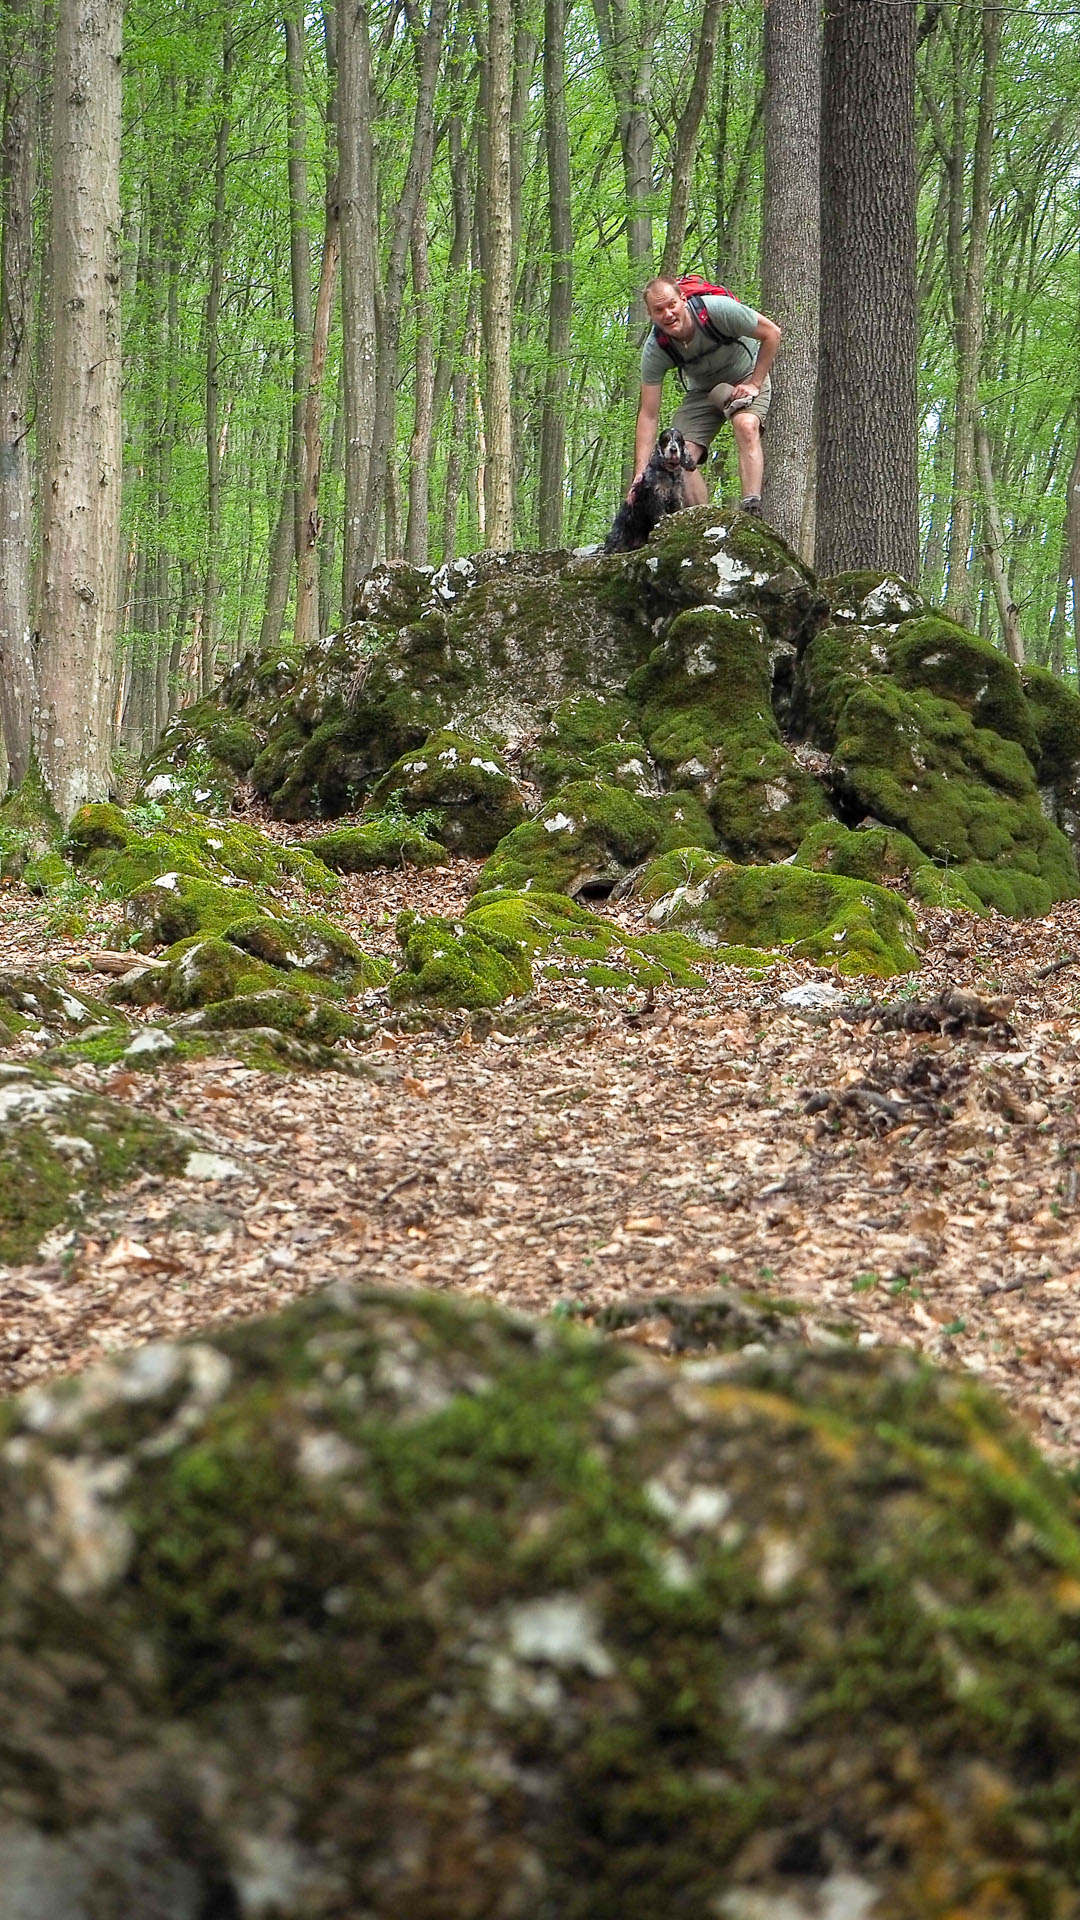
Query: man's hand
[631, 492]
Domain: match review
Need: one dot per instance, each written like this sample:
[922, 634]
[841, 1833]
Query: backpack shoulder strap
[696, 304]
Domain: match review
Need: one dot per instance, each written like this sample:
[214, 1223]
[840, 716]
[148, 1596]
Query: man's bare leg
[748, 451]
[694, 488]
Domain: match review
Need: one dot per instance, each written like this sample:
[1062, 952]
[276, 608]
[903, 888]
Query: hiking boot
[751, 504]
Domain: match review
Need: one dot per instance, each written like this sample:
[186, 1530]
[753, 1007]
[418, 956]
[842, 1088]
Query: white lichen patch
[19, 1101]
[560, 823]
[72, 1009]
[73, 1148]
[212, 1166]
[842, 1896]
[485, 766]
[326, 1456]
[449, 757]
[150, 1041]
[170, 881]
[763, 1703]
[699, 662]
[652, 562]
[776, 798]
[730, 573]
[782, 1560]
[561, 1630]
[688, 1510]
[159, 786]
[888, 597]
[88, 1542]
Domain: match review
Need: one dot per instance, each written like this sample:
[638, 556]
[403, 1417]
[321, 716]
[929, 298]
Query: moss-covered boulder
[870, 853]
[714, 557]
[391, 1606]
[280, 1009]
[868, 599]
[303, 943]
[463, 783]
[707, 717]
[448, 963]
[591, 734]
[389, 840]
[125, 851]
[582, 841]
[565, 940]
[176, 905]
[849, 924]
[929, 733]
[44, 1000]
[60, 1147]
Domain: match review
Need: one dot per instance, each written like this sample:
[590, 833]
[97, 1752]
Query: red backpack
[693, 289]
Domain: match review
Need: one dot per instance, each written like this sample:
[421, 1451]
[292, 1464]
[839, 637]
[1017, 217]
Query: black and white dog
[659, 491]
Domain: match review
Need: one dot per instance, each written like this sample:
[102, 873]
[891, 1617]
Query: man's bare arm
[648, 420]
[768, 333]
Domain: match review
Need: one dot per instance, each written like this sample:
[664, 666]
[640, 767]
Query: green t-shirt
[703, 361]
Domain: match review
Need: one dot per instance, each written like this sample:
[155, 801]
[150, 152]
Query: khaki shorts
[702, 412]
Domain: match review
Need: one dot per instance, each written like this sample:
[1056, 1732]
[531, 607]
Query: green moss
[61, 1147]
[944, 887]
[945, 659]
[682, 867]
[177, 905]
[202, 971]
[871, 853]
[590, 833]
[835, 664]
[464, 782]
[708, 721]
[682, 819]
[46, 1000]
[872, 599]
[377, 843]
[449, 964]
[46, 874]
[303, 943]
[99, 825]
[162, 840]
[1009, 890]
[569, 940]
[1054, 707]
[285, 1011]
[29, 825]
[856, 927]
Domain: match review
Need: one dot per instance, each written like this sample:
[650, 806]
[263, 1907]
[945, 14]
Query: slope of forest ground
[585, 1148]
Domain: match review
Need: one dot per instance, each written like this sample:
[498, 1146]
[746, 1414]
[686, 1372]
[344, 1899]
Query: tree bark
[211, 621]
[307, 576]
[18, 163]
[867, 509]
[80, 514]
[416, 526]
[993, 550]
[791, 250]
[551, 482]
[970, 328]
[498, 291]
[358, 216]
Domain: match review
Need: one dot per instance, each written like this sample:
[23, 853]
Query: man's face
[667, 309]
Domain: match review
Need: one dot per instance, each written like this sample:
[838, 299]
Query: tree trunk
[561, 292]
[212, 597]
[970, 328]
[993, 549]
[358, 216]
[80, 514]
[686, 139]
[417, 174]
[791, 250]
[307, 579]
[498, 289]
[867, 509]
[299, 258]
[416, 527]
[18, 163]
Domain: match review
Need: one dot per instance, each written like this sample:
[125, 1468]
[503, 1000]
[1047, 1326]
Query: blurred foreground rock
[389, 1607]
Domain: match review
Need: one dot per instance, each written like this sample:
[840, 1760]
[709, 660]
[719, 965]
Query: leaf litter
[903, 1161]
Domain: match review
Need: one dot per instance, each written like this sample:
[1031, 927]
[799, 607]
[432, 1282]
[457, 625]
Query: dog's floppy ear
[687, 460]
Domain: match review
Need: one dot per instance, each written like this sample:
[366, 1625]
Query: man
[726, 380]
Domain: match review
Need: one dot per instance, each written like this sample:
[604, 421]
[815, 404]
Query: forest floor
[923, 1187]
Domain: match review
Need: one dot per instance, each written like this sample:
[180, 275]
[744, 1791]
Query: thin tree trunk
[416, 529]
[358, 215]
[18, 165]
[80, 514]
[299, 258]
[416, 177]
[686, 138]
[970, 327]
[791, 250]
[498, 289]
[867, 467]
[307, 580]
[993, 550]
[212, 599]
[561, 293]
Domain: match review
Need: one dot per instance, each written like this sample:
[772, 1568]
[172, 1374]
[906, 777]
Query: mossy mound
[849, 924]
[586, 838]
[869, 599]
[707, 718]
[281, 1009]
[40, 1000]
[60, 1147]
[412, 1608]
[1054, 708]
[464, 783]
[587, 735]
[177, 905]
[388, 841]
[712, 557]
[930, 734]
[869, 853]
[126, 851]
[447, 963]
[563, 939]
[29, 826]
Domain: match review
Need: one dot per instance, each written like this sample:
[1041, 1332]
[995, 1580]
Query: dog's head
[671, 451]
